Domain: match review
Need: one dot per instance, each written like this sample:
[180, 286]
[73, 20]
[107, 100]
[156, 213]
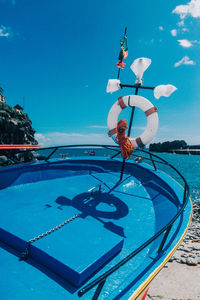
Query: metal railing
[100, 281]
[154, 159]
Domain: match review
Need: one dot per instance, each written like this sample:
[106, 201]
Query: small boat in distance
[92, 153]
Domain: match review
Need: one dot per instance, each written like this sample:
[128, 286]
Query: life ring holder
[146, 106]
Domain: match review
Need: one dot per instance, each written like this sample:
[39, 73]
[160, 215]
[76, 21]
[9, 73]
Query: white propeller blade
[164, 90]
[139, 66]
[113, 85]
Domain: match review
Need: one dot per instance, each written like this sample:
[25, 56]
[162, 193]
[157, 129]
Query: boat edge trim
[153, 274]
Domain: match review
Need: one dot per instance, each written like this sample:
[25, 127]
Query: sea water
[189, 167]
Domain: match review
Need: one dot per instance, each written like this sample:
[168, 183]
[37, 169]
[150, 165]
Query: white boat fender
[149, 110]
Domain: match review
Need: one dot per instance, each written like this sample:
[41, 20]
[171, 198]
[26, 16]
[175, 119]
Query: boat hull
[118, 217]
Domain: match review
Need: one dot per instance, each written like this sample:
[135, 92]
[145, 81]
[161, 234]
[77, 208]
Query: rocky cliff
[15, 128]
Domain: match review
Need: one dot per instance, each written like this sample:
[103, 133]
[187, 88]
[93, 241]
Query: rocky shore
[179, 279]
[189, 250]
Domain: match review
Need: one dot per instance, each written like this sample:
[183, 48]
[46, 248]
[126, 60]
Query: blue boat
[93, 226]
[72, 228]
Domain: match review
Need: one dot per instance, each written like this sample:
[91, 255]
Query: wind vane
[117, 129]
[123, 52]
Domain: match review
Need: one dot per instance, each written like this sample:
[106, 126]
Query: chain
[25, 254]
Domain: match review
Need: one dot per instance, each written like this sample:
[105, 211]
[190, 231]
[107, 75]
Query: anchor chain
[25, 254]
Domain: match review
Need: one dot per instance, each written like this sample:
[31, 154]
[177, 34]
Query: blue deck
[112, 223]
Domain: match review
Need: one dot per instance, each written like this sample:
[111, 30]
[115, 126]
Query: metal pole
[135, 86]
[132, 114]
[129, 132]
[118, 73]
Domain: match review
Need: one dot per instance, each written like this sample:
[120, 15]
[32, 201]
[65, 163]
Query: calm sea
[187, 165]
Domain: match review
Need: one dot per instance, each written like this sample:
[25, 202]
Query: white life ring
[149, 110]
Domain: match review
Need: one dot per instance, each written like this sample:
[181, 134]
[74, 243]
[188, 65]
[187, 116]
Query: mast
[138, 67]
[137, 87]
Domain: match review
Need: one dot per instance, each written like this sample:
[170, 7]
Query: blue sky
[59, 55]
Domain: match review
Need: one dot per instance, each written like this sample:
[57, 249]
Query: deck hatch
[75, 251]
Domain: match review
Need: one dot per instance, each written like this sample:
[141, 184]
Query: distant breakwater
[185, 151]
[176, 147]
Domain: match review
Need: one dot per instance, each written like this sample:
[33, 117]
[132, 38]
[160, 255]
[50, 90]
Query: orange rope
[123, 140]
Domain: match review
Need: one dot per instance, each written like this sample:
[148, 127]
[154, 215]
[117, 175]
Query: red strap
[121, 102]
[112, 131]
[151, 110]
[139, 142]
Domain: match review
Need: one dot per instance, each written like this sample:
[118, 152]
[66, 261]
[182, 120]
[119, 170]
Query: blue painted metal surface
[37, 197]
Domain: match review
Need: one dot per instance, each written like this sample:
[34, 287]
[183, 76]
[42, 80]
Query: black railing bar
[136, 86]
[98, 290]
[111, 148]
[108, 147]
[54, 150]
[154, 165]
[95, 145]
[167, 163]
[186, 190]
[134, 253]
[116, 154]
[144, 157]
[164, 239]
[69, 146]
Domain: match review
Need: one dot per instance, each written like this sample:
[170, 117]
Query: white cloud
[185, 29]
[185, 43]
[105, 127]
[196, 42]
[97, 126]
[184, 61]
[42, 139]
[181, 23]
[60, 138]
[192, 9]
[70, 138]
[173, 32]
[4, 31]
[160, 28]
